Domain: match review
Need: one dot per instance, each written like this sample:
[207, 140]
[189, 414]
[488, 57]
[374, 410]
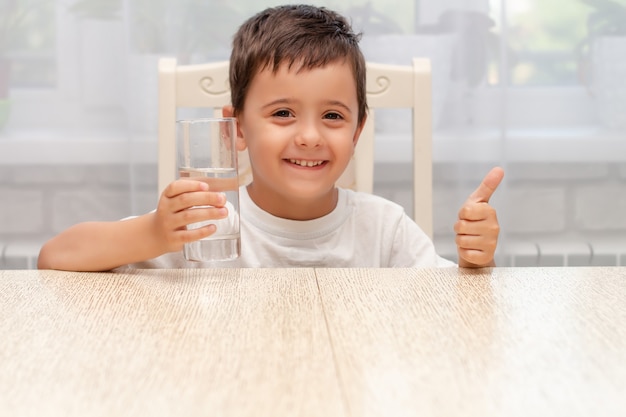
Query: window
[531, 83]
[543, 40]
[27, 41]
[498, 64]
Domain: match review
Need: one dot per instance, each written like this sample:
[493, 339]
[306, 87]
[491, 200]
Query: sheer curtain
[535, 86]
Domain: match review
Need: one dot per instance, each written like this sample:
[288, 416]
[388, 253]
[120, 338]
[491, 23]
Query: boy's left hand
[477, 229]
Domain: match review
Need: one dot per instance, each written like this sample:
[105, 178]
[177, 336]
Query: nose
[309, 135]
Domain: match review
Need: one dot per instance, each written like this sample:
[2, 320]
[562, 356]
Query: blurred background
[535, 86]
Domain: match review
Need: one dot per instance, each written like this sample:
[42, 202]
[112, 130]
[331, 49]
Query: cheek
[349, 151]
[346, 144]
[261, 150]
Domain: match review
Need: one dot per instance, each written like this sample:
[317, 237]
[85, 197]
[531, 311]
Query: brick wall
[550, 213]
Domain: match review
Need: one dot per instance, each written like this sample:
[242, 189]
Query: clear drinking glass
[206, 152]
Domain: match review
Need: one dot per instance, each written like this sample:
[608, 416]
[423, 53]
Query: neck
[294, 208]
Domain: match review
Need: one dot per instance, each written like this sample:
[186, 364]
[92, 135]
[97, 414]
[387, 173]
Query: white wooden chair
[388, 86]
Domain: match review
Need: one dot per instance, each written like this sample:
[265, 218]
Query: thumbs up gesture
[477, 228]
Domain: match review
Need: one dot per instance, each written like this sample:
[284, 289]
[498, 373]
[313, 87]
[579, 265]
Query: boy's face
[300, 129]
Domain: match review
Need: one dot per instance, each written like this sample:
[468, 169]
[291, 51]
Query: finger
[197, 215]
[191, 235]
[485, 190]
[485, 229]
[197, 199]
[476, 242]
[476, 212]
[181, 236]
[475, 257]
[184, 186]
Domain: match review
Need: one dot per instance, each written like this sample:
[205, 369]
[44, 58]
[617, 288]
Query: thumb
[483, 193]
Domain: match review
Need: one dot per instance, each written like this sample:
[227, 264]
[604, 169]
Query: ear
[229, 111]
[359, 130]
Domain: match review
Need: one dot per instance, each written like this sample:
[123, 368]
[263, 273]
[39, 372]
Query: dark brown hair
[302, 35]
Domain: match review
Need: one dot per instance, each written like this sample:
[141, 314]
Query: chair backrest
[388, 86]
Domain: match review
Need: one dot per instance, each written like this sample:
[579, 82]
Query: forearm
[101, 246]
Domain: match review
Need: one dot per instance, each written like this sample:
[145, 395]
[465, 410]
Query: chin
[311, 191]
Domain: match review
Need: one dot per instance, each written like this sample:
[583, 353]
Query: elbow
[52, 257]
[44, 260]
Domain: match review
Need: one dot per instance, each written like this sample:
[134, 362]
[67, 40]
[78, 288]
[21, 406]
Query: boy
[298, 92]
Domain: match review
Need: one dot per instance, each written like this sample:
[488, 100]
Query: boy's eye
[332, 116]
[282, 113]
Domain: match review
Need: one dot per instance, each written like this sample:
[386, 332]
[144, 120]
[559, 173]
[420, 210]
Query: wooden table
[314, 342]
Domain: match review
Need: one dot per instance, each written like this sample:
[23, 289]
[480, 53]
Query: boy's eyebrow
[275, 102]
[340, 104]
[329, 102]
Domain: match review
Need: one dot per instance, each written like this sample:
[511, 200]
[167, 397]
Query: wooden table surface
[314, 342]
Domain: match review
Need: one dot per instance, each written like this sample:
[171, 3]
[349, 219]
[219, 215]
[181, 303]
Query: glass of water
[206, 152]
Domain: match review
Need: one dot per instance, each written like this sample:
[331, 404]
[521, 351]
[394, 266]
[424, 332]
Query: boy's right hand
[178, 207]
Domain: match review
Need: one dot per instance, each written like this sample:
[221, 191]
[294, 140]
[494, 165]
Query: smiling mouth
[303, 163]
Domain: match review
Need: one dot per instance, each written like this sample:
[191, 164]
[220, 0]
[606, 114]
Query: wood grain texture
[489, 342]
[165, 343]
[304, 342]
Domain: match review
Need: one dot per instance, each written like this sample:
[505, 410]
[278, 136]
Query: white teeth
[305, 163]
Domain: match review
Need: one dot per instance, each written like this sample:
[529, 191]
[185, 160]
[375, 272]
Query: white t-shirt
[364, 230]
